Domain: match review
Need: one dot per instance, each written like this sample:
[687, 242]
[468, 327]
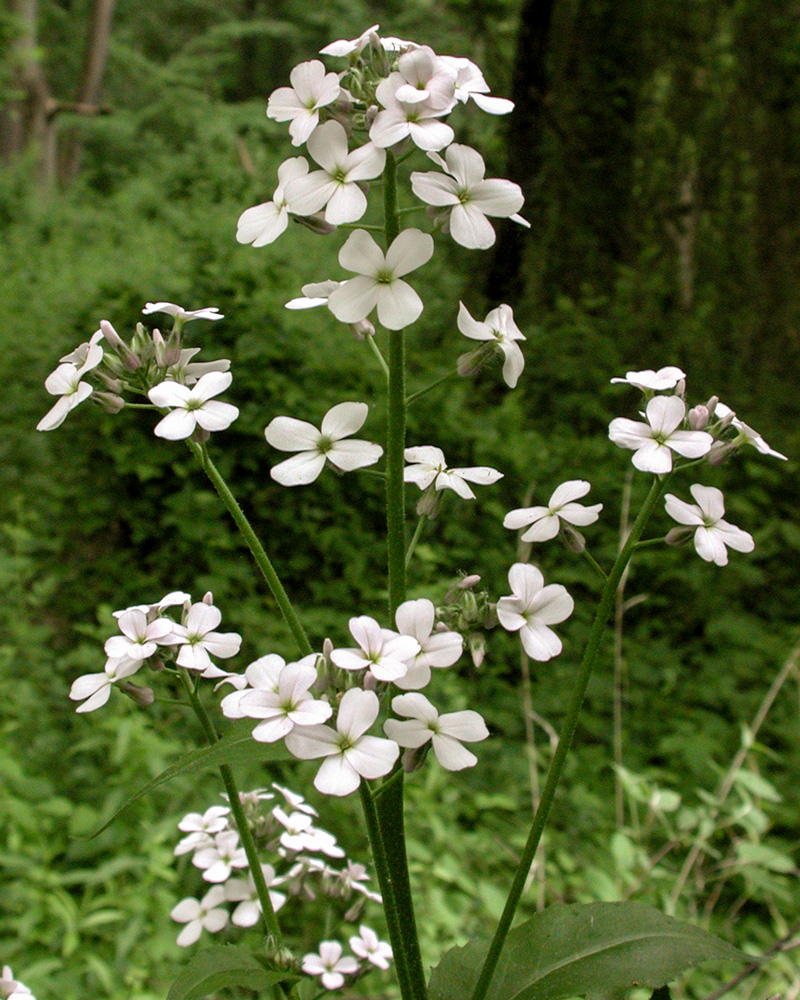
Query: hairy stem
[255, 546]
[564, 744]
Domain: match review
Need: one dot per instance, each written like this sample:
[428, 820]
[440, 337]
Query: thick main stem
[564, 744]
[270, 920]
[255, 546]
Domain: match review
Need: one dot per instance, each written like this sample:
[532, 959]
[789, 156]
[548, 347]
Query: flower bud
[471, 362]
[112, 384]
[208, 598]
[718, 451]
[698, 417]
[414, 757]
[141, 696]
[362, 329]
[172, 354]
[711, 405]
[129, 360]
[680, 388]
[428, 504]
[353, 915]
[678, 536]
[200, 435]
[316, 223]
[110, 401]
[477, 650]
[573, 539]
[370, 683]
[371, 115]
[159, 349]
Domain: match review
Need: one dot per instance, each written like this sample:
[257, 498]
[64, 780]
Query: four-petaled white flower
[368, 946]
[11, 988]
[94, 689]
[200, 827]
[65, 382]
[382, 652]
[188, 372]
[746, 432]
[532, 608]
[467, 196]
[264, 223]
[206, 914]
[312, 88]
[436, 649]
[330, 965]
[427, 78]
[428, 466]
[446, 732]
[654, 381]
[335, 188]
[218, 859]
[350, 754]
[317, 447]
[197, 638]
[712, 534]
[291, 705]
[545, 522]
[400, 120]
[379, 278]
[139, 638]
[261, 675]
[181, 314]
[653, 442]
[499, 326]
[193, 406]
[471, 84]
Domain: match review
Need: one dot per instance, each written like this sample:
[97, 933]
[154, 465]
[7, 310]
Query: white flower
[532, 609]
[652, 381]
[218, 859]
[94, 689]
[11, 988]
[746, 433]
[65, 382]
[243, 892]
[264, 223]
[427, 79]
[336, 185]
[446, 732]
[199, 828]
[712, 534]
[193, 407]
[314, 294]
[343, 47]
[436, 649]
[379, 278]
[653, 442]
[428, 466]
[317, 447]
[467, 196]
[368, 946]
[499, 326]
[188, 372]
[330, 965]
[400, 120]
[139, 638]
[262, 674]
[546, 521]
[470, 83]
[312, 88]
[197, 638]
[291, 705]
[198, 916]
[294, 800]
[183, 315]
[380, 651]
[350, 754]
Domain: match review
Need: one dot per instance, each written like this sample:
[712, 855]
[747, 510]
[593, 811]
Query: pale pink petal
[372, 756]
[653, 457]
[262, 224]
[542, 530]
[682, 512]
[434, 189]
[169, 394]
[497, 197]
[691, 444]
[574, 489]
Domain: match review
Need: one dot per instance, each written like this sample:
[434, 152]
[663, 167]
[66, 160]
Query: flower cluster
[147, 635]
[300, 853]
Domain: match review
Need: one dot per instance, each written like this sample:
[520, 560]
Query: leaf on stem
[216, 968]
[598, 951]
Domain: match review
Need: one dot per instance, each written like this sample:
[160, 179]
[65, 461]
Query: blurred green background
[659, 149]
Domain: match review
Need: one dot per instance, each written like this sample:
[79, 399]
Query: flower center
[194, 404]
[324, 444]
[463, 195]
[384, 277]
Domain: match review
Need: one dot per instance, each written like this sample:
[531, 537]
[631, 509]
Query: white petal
[300, 470]
[350, 455]
[354, 300]
[434, 189]
[288, 434]
[337, 777]
[574, 489]
[176, 426]
[398, 305]
[344, 419]
[653, 457]
[416, 618]
[361, 254]
[372, 756]
[470, 228]
[307, 195]
[410, 250]
[451, 754]
[216, 416]
[262, 224]
[540, 642]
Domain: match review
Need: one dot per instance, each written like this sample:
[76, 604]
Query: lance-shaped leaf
[216, 968]
[236, 747]
[599, 951]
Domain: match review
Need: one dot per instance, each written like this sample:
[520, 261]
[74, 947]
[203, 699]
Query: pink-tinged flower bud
[112, 384]
[353, 915]
[208, 598]
[698, 417]
[200, 435]
[129, 360]
[718, 451]
[327, 649]
[573, 539]
[414, 757]
[471, 362]
[727, 420]
[172, 355]
[371, 115]
[477, 650]
[110, 401]
[140, 696]
[370, 683]
[711, 405]
[469, 582]
[362, 329]
[159, 349]
[678, 536]
[316, 223]
[680, 388]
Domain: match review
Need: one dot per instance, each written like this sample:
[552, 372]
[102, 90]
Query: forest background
[658, 146]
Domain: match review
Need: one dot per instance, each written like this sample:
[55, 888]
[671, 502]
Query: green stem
[647, 543]
[270, 920]
[421, 392]
[255, 546]
[565, 741]
[377, 352]
[593, 562]
[414, 539]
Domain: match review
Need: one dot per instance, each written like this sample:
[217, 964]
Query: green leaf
[599, 951]
[236, 747]
[216, 968]
[757, 785]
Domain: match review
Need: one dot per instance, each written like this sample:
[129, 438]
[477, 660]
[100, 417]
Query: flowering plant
[337, 705]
